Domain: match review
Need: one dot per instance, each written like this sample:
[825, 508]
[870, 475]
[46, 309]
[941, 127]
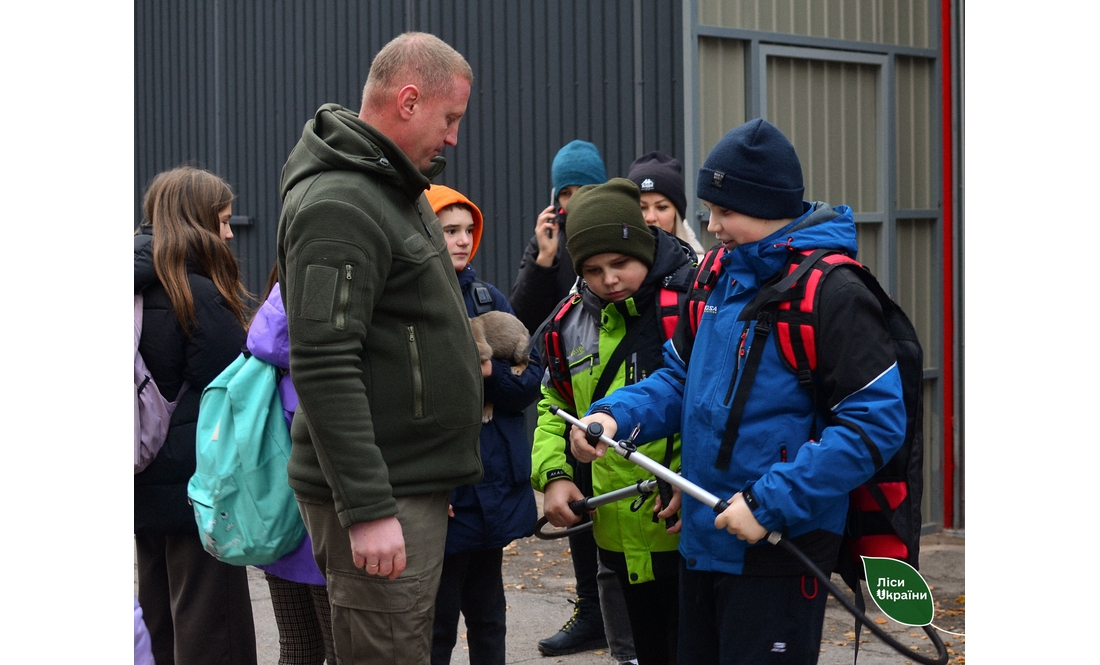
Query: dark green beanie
[608, 218]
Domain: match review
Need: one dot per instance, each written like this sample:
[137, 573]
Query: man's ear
[408, 98]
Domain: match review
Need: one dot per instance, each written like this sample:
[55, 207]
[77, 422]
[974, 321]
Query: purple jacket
[268, 340]
[143, 644]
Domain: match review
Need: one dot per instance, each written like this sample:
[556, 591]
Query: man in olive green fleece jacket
[381, 354]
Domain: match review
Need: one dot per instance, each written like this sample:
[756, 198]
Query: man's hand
[665, 512]
[555, 502]
[578, 439]
[546, 232]
[379, 547]
[738, 520]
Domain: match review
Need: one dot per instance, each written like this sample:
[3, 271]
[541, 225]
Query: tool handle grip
[593, 433]
[579, 507]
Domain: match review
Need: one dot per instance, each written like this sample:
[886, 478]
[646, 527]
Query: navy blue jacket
[500, 508]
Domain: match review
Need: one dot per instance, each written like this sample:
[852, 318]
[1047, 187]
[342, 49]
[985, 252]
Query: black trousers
[745, 620]
[197, 608]
[582, 546]
[472, 584]
[652, 607]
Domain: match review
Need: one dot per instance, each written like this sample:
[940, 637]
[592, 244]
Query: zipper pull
[422, 222]
[347, 271]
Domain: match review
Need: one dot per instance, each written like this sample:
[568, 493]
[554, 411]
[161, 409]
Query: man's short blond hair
[419, 58]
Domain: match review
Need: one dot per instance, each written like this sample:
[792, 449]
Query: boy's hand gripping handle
[594, 432]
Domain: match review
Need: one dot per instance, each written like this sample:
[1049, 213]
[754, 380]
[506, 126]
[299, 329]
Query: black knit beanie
[608, 218]
[755, 171]
[657, 172]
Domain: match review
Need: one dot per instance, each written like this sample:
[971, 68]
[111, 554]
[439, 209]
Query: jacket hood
[671, 254]
[337, 140]
[441, 196]
[822, 226]
[268, 336]
[144, 272]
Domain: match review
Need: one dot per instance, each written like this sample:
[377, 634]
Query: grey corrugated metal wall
[228, 84]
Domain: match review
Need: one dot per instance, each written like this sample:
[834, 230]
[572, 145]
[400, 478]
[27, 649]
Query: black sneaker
[583, 631]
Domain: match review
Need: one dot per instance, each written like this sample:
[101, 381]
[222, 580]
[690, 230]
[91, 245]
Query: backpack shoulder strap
[139, 312]
[796, 296]
[554, 354]
[672, 295]
[695, 301]
[482, 297]
[705, 280]
[767, 308]
[622, 350]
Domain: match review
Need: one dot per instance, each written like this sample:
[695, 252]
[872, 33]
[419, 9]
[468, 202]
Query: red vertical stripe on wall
[948, 273]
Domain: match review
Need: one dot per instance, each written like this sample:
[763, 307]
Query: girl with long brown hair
[197, 608]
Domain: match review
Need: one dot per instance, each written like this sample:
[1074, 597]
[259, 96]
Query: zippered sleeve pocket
[343, 297]
[416, 373]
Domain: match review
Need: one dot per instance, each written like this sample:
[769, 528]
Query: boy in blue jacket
[501, 508]
[793, 463]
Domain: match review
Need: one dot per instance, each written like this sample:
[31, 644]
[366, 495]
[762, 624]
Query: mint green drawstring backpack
[245, 510]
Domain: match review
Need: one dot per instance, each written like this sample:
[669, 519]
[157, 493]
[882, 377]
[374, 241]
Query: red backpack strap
[792, 298]
[705, 279]
[795, 316]
[555, 356]
[694, 301]
[668, 309]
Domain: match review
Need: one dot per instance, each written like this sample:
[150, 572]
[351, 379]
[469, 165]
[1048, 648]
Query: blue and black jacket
[799, 465]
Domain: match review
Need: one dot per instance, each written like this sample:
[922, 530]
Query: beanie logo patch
[626, 231]
[717, 178]
[647, 185]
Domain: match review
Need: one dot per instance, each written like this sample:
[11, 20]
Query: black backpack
[884, 513]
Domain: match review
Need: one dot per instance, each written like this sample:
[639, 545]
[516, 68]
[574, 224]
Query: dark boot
[583, 631]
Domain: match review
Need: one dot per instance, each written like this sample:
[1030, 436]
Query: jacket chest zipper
[344, 299]
[422, 222]
[737, 363]
[417, 379]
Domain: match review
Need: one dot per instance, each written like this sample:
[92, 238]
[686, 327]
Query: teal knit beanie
[577, 163]
[608, 218]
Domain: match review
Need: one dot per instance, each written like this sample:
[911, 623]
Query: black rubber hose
[850, 606]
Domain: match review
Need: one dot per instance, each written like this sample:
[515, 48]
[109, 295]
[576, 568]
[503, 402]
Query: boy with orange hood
[501, 508]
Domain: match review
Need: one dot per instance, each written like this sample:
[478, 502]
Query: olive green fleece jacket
[381, 353]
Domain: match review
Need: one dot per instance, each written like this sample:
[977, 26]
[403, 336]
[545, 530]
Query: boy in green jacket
[633, 276]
